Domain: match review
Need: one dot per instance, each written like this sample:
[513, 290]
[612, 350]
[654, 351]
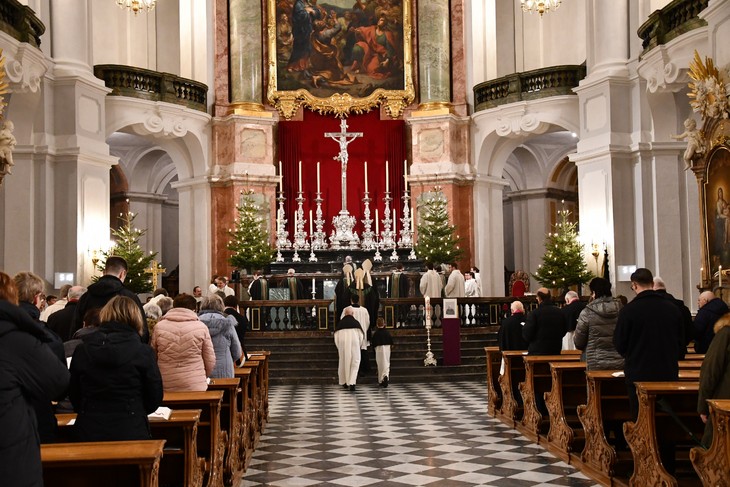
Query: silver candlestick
[300, 236]
[387, 236]
[312, 257]
[319, 239]
[430, 359]
[295, 257]
[406, 235]
[367, 235]
[412, 255]
[377, 257]
[282, 235]
[394, 255]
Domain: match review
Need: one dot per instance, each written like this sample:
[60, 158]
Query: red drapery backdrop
[382, 140]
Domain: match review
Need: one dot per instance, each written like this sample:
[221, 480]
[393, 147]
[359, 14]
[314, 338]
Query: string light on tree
[437, 239]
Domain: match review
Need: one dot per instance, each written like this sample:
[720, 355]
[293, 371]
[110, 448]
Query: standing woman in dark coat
[28, 371]
[115, 382]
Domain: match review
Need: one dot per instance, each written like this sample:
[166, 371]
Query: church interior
[341, 117]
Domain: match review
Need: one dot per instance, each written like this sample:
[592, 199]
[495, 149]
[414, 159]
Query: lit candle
[300, 176]
[310, 223]
[281, 173]
[377, 223]
[428, 309]
[405, 171]
[387, 178]
[317, 178]
[314, 288]
[366, 176]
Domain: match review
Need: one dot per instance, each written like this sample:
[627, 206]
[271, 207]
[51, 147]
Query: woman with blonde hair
[31, 373]
[115, 381]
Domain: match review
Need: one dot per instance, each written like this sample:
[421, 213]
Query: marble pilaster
[246, 48]
[434, 54]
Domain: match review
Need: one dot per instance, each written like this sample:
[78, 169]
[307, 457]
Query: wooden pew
[263, 389]
[713, 464]
[654, 427]
[538, 381]
[567, 393]
[180, 464]
[230, 422]
[494, 392]
[211, 438]
[607, 401]
[693, 357]
[250, 370]
[690, 364]
[256, 396]
[514, 373]
[109, 463]
[266, 354]
[245, 409]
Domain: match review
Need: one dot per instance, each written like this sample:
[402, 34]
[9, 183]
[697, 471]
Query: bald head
[705, 298]
[659, 284]
[543, 295]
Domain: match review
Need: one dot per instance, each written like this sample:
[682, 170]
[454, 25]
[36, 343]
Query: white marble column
[195, 229]
[245, 37]
[488, 234]
[607, 47]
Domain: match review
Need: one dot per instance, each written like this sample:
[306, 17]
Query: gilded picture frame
[351, 58]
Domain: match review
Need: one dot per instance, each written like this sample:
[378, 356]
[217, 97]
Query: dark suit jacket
[544, 330]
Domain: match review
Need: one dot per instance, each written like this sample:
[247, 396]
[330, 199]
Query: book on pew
[161, 413]
[618, 374]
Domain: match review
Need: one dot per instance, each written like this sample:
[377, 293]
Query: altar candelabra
[394, 256]
[282, 235]
[319, 239]
[300, 236]
[342, 235]
[295, 257]
[406, 232]
[430, 359]
[387, 236]
[377, 257]
[367, 235]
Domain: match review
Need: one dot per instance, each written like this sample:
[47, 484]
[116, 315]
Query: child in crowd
[382, 342]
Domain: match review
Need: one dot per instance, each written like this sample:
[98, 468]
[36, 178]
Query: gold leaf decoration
[708, 95]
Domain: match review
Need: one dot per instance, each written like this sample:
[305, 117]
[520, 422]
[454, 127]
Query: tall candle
[300, 176]
[310, 224]
[317, 179]
[281, 173]
[405, 171]
[377, 223]
[366, 176]
[314, 288]
[387, 178]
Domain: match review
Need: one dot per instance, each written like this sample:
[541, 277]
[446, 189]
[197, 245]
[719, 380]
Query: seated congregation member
[223, 334]
[571, 311]
[29, 371]
[183, 347]
[715, 374]
[544, 327]
[231, 304]
[510, 331]
[596, 324]
[349, 339]
[115, 381]
[711, 308]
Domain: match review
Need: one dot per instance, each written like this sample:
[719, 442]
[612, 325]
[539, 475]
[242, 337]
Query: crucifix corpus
[343, 223]
[156, 270]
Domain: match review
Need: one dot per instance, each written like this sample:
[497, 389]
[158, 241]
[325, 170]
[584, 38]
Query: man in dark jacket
[29, 372]
[571, 311]
[231, 304]
[544, 327]
[710, 309]
[649, 336]
[102, 291]
[62, 321]
[687, 329]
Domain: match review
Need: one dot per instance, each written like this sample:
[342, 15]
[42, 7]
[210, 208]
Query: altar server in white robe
[349, 337]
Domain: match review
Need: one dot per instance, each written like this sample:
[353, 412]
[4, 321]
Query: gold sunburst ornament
[709, 91]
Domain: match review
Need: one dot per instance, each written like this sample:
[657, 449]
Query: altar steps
[311, 356]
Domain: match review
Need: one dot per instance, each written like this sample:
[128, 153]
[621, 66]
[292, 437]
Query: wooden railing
[20, 22]
[675, 19]
[319, 314]
[529, 85]
[151, 85]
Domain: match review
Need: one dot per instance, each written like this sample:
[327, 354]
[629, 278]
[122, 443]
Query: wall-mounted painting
[340, 56]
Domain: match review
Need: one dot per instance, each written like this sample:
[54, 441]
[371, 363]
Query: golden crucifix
[156, 270]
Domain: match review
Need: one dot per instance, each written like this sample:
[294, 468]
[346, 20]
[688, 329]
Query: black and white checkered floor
[408, 434]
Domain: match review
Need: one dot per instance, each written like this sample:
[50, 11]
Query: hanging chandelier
[137, 5]
[539, 6]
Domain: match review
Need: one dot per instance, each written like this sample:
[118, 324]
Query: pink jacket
[184, 351]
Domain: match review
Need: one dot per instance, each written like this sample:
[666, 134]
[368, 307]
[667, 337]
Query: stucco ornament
[7, 139]
[709, 95]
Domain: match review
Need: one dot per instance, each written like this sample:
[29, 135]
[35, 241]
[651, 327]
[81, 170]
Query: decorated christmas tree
[126, 245]
[563, 264]
[250, 242]
[437, 239]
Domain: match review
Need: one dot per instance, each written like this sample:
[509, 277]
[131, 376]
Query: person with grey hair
[62, 322]
[152, 314]
[222, 330]
[571, 311]
[58, 305]
[710, 309]
[165, 305]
